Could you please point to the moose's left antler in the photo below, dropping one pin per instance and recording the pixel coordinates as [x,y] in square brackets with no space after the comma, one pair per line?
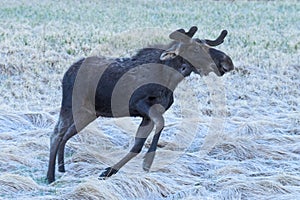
[217,41]
[182,36]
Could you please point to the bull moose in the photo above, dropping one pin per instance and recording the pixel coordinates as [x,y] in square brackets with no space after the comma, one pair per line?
[138,86]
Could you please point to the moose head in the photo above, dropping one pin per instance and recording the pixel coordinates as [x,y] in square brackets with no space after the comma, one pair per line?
[199,53]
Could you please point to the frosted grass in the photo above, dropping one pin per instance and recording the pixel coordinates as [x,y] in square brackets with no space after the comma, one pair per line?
[253,154]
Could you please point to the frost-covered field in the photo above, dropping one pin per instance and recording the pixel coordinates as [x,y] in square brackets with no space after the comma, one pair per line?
[250,151]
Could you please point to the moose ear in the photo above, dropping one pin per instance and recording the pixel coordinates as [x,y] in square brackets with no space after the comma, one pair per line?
[170,53]
[167,55]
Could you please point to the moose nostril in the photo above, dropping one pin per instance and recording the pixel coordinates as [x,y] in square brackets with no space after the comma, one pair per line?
[227,64]
[224,67]
[227,67]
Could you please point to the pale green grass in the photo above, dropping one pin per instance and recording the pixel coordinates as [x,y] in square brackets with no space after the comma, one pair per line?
[39,40]
[254,152]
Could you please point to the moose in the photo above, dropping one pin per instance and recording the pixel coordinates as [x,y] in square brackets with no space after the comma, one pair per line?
[138,86]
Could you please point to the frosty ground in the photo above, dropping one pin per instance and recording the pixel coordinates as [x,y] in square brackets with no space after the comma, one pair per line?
[235,137]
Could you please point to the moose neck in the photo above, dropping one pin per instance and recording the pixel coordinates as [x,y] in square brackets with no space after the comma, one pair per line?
[168,72]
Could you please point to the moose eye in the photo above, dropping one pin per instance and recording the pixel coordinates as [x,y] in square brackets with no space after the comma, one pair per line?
[183,68]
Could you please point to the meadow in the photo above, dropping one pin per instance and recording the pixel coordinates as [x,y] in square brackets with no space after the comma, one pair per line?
[230,137]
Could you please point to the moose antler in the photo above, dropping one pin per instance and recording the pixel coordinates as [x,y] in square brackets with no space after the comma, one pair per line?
[192,31]
[182,36]
[218,41]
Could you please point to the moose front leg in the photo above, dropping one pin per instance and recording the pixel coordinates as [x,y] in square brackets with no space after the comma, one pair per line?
[143,132]
[155,115]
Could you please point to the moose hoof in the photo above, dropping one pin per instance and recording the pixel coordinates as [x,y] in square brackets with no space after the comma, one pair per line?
[146,169]
[61,169]
[49,180]
[107,173]
[148,160]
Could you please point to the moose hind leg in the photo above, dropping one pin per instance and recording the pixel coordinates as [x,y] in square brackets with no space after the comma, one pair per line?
[74,128]
[61,150]
[143,132]
[55,141]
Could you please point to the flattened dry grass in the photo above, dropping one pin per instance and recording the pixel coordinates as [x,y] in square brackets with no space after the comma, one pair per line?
[235,137]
